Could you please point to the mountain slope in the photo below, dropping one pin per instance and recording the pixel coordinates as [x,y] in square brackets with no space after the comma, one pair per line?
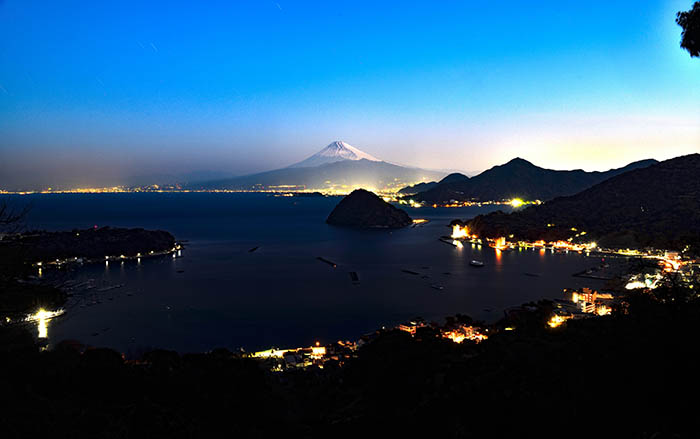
[455,177]
[349,173]
[655,206]
[418,188]
[521,179]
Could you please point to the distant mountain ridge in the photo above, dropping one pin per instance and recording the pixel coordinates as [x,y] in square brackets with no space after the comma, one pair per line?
[339,166]
[454,177]
[657,206]
[519,179]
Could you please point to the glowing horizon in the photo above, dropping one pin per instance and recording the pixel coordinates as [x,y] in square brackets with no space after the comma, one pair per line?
[98,95]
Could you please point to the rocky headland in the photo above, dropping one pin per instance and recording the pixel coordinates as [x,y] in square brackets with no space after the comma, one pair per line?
[364,209]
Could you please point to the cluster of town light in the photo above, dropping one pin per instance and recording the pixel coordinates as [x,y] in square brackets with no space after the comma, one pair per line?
[176,252]
[42,318]
[669,261]
[464,333]
[412,203]
[459,232]
[557,320]
[317,352]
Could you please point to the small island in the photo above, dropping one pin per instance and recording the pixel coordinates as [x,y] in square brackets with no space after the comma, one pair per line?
[364,209]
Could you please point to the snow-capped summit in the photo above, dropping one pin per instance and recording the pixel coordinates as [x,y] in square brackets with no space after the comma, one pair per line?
[335,152]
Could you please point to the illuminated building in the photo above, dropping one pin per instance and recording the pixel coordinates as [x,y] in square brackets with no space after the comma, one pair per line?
[590,301]
[278,360]
[459,232]
[318,351]
[412,326]
[499,243]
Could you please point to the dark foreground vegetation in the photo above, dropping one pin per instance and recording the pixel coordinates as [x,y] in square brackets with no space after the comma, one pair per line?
[657,206]
[632,374]
[690,22]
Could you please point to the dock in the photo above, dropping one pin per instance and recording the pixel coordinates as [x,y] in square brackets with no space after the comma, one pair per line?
[331,263]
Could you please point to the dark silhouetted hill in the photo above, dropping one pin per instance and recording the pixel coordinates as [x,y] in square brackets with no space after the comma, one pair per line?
[455,177]
[627,376]
[520,179]
[417,188]
[656,206]
[364,209]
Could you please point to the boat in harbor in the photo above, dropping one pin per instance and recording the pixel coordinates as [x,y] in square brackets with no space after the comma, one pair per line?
[475,263]
[331,263]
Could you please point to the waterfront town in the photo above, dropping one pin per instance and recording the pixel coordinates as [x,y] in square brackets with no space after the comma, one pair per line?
[669,259]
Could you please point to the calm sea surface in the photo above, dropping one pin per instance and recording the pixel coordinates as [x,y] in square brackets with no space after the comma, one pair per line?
[218,294]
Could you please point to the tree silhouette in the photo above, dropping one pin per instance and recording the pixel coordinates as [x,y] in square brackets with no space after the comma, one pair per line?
[690,22]
[11,219]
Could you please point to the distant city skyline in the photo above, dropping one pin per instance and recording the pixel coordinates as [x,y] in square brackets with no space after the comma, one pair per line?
[97,94]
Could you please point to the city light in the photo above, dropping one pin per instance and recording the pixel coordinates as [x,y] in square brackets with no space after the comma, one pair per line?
[459,232]
[556,320]
[464,333]
[516,202]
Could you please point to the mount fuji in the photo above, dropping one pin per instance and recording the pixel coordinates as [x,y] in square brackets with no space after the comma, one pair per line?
[337,168]
[335,152]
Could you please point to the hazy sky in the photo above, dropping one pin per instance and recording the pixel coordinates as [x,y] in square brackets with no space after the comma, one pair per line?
[92,92]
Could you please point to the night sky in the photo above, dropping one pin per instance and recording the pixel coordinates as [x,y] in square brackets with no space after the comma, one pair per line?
[95,93]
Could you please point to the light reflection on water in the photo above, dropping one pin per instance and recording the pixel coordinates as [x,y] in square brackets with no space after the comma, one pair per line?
[42,319]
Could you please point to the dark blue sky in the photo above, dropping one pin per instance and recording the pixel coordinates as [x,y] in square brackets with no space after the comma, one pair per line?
[94,92]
